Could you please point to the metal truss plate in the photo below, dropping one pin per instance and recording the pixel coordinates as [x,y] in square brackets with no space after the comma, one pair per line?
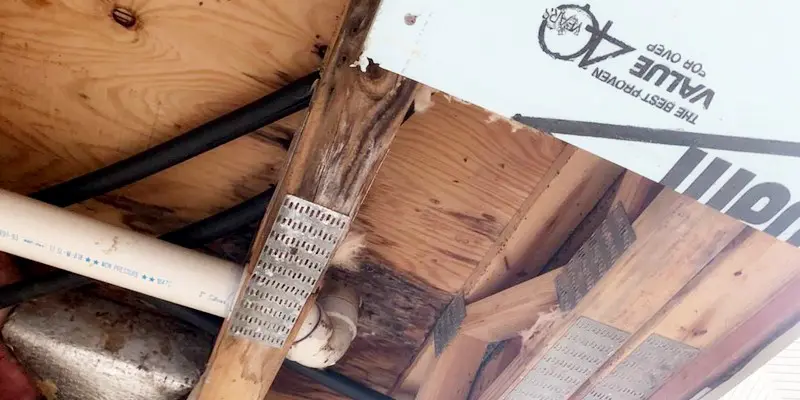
[446,327]
[579,353]
[299,246]
[644,371]
[596,256]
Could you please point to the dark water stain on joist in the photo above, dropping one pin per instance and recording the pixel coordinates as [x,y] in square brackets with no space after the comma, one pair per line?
[395,318]
[485,224]
[37,4]
[143,217]
[396,315]
[275,135]
[319,50]
[456,256]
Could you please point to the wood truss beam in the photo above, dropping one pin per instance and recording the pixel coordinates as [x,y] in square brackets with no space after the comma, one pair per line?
[712,304]
[682,280]
[503,315]
[718,361]
[332,161]
[495,318]
[565,195]
[676,238]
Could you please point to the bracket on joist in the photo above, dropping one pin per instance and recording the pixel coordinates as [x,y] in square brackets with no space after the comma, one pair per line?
[331,163]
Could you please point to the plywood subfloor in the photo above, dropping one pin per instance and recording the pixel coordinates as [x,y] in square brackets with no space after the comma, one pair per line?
[79,91]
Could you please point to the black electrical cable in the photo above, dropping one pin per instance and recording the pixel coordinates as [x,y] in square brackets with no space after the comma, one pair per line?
[336,382]
[193,235]
[23,291]
[222,224]
[285,101]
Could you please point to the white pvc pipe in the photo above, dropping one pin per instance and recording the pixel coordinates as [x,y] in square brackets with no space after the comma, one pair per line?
[62,239]
[327,330]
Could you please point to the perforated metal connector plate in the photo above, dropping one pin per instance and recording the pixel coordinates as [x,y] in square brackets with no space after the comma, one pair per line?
[446,327]
[573,359]
[594,258]
[299,246]
[644,370]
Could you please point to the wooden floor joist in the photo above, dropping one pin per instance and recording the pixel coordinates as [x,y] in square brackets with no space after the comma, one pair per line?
[455,370]
[681,281]
[676,238]
[633,193]
[564,196]
[723,359]
[493,319]
[574,184]
[503,315]
[493,365]
[332,161]
[712,304]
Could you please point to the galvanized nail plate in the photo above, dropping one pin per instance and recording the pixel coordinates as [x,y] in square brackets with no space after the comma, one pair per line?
[579,353]
[644,370]
[299,246]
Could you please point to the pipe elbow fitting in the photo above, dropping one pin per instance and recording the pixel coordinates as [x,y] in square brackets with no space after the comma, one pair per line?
[327,330]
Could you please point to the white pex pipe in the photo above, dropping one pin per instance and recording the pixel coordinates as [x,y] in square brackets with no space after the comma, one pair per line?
[62,239]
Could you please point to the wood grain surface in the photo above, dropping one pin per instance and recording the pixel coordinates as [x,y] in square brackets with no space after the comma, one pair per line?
[455,370]
[79,91]
[565,193]
[711,305]
[573,185]
[497,361]
[448,189]
[725,358]
[332,162]
[504,315]
[676,238]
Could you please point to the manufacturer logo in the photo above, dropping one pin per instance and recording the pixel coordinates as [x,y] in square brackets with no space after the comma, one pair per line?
[570,31]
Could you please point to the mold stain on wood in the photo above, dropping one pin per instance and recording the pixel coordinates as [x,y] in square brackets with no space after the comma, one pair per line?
[396,315]
[143,217]
[66,110]
[394,319]
[82,87]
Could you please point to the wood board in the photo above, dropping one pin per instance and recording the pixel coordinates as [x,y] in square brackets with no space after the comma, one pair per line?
[78,91]
[711,304]
[565,194]
[334,157]
[680,234]
[719,364]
